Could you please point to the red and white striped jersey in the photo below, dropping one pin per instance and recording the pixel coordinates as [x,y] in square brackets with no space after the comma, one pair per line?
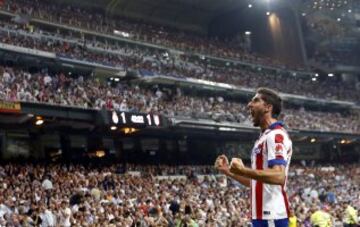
[274,147]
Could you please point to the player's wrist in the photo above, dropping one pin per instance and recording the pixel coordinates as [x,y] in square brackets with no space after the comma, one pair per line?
[237,170]
[225,171]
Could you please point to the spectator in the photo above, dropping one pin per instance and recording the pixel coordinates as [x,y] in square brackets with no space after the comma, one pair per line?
[350,215]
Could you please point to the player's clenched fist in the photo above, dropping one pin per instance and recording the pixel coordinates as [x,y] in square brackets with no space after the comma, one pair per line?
[236,165]
[222,164]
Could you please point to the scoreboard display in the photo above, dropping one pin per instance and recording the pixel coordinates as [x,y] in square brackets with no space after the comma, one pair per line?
[136,119]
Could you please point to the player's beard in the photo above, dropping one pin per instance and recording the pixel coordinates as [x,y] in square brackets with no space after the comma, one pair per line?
[256,123]
[256,116]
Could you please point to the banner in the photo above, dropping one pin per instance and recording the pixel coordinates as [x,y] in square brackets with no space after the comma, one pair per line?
[10,107]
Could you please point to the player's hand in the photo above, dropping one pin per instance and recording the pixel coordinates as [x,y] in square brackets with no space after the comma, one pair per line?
[222,164]
[236,165]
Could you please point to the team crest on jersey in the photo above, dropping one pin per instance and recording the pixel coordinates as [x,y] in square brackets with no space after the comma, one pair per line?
[279,148]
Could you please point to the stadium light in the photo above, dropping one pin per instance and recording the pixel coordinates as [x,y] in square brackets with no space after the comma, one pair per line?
[330,75]
[316,75]
[121,33]
[349,11]
[313,79]
[250,5]
[247,32]
[268,13]
[126,130]
[338,19]
[100,153]
[345,141]
[129,130]
[39,122]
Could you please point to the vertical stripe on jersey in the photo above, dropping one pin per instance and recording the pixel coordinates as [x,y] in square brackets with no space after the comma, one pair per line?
[259,185]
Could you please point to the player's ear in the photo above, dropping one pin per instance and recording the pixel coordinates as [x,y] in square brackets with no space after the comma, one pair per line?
[268,108]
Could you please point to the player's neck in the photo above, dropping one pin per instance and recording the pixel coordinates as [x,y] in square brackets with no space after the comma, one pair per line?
[265,124]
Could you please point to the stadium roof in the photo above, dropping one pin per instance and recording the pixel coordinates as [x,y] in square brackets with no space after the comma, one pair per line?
[192,15]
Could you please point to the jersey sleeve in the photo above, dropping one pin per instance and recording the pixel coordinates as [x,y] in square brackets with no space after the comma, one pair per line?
[277,147]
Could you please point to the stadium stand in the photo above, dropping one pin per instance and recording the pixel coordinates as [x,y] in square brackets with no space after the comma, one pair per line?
[79,195]
[148,63]
[85,92]
[78,17]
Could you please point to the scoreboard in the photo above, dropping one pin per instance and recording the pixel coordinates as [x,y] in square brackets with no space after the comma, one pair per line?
[136,119]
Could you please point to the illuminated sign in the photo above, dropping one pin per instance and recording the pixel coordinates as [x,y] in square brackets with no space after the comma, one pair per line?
[10,107]
[115,118]
[135,119]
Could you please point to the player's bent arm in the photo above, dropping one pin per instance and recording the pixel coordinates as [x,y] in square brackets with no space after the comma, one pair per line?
[274,175]
[242,180]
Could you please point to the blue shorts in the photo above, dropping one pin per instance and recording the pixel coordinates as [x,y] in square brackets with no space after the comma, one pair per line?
[270,223]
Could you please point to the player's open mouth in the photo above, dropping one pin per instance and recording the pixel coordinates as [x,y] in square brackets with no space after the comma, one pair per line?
[251,113]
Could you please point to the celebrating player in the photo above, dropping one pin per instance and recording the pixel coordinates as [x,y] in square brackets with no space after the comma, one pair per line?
[270,159]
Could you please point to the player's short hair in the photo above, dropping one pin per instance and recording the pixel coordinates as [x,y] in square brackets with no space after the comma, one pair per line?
[271,97]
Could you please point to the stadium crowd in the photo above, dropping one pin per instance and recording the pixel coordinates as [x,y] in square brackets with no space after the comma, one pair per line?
[149,62]
[89,92]
[328,29]
[115,195]
[155,34]
[331,58]
[327,35]
[77,195]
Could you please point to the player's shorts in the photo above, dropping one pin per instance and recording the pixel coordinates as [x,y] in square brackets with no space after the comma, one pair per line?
[270,223]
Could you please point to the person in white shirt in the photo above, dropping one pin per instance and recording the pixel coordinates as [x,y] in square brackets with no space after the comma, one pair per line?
[6,77]
[65,214]
[47,184]
[4,210]
[47,80]
[48,217]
